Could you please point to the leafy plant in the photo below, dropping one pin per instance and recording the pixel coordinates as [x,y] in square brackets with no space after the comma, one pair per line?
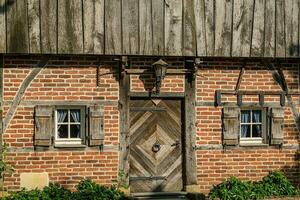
[122,180]
[86,190]
[275,184]
[5,168]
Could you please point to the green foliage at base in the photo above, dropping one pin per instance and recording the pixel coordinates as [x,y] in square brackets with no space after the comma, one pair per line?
[86,190]
[273,185]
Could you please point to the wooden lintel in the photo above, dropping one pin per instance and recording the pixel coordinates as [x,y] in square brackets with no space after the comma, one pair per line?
[256,92]
[154,95]
[147,71]
[237,87]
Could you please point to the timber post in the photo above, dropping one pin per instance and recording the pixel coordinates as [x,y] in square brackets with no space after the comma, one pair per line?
[190,130]
[124,82]
[1,99]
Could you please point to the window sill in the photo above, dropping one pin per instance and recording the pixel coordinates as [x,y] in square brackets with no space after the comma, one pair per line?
[69,146]
[253,145]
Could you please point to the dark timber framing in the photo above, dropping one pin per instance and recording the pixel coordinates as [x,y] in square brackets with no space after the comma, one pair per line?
[124,82]
[1,99]
[34,72]
[190,127]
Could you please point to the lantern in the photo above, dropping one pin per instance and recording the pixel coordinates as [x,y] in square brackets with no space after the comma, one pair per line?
[160,68]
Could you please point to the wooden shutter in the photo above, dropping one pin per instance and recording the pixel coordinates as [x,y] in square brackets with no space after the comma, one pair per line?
[277,118]
[231,125]
[96,133]
[43,125]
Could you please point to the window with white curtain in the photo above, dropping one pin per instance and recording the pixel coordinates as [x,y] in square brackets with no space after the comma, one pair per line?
[69,125]
[252,125]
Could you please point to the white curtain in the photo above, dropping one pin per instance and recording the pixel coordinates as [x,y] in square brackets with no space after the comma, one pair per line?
[76,116]
[61,116]
[245,117]
[257,119]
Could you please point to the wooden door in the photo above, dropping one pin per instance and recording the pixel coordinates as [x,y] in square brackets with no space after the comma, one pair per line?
[155,146]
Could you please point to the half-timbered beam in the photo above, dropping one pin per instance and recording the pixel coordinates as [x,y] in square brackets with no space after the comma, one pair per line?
[124,83]
[1,99]
[34,72]
[278,76]
[190,130]
[237,87]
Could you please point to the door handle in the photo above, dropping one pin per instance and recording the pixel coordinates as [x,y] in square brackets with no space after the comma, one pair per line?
[176,144]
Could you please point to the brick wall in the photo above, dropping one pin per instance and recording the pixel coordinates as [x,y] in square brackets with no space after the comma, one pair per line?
[73,78]
[250,163]
[64,79]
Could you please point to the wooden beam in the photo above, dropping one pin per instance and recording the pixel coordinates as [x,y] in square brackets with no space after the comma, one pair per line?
[34,26]
[173,27]
[48,16]
[261,100]
[160,95]
[278,76]
[113,27]
[130,27]
[124,120]
[17,26]
[70,30]
[146,71]
[2,26]
[1,99]
[93,26]
[64,103]
[34,72]
[190,131]
[256,92]
[237,87]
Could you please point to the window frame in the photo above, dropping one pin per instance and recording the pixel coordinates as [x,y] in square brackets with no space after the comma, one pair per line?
[72,141]
[264,125]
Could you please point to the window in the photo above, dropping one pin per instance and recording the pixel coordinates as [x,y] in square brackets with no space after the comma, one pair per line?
[252,125]
[69,125]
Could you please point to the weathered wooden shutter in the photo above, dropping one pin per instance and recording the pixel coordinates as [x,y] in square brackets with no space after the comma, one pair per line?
[277,118]
[96,133]
[43,125]
[231,125]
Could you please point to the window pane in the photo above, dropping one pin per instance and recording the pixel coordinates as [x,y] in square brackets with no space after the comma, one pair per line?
[245,116]
[256,130]
[256,116]
[62,116]
[245,131]
[75,115]
[75,131]
[62,131]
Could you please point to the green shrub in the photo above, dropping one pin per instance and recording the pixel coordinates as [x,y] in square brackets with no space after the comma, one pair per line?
[89,190]
[86,190]
[275,184]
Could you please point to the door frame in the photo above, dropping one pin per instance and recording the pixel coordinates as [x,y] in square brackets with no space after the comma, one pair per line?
[189,167]
[189,112]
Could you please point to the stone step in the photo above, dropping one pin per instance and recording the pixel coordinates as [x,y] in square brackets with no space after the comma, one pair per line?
[159,196]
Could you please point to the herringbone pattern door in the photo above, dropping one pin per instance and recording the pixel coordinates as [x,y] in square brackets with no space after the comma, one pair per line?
[155,146]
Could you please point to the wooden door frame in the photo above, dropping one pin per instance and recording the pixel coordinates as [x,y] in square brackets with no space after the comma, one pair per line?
[189,118]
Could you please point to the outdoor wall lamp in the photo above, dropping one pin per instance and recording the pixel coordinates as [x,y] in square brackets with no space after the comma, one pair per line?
[160,68]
